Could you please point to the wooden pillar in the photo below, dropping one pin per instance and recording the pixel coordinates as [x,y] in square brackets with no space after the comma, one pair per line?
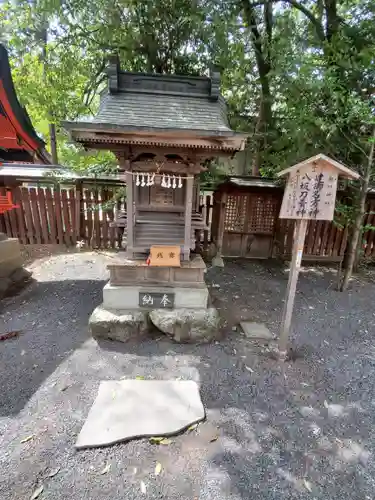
[188,213]
[196,194]
[80,216]
[295,265]
[218,260]
[129,214]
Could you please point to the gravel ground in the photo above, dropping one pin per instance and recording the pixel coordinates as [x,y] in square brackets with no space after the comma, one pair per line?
[299,430]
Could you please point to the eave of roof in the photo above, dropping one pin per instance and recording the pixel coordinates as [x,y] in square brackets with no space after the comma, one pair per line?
[90,134]
[50,173]
[249,181]
[115,128]
[15,113]
[342,169]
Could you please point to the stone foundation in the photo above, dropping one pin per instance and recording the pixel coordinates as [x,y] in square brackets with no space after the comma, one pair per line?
[127,297]
[123,315]
[137,272]
[10,256]
[119,325]
[188,325]
[12,275]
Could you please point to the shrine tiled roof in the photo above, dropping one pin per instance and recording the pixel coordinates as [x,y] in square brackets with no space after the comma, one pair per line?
[163,111]
[150,105]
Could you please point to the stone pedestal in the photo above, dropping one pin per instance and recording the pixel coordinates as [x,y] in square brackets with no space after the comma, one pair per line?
[12,274]
[173,299]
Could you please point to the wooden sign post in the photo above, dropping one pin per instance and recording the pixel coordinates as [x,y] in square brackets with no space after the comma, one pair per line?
[310,194]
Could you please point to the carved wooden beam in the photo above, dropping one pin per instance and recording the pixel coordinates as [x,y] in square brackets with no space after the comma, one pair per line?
[217,145]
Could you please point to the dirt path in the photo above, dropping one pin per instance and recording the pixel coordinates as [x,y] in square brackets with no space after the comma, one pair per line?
[301,430]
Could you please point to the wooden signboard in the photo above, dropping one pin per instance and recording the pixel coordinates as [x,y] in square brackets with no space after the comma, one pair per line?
[165,255]
[310,194]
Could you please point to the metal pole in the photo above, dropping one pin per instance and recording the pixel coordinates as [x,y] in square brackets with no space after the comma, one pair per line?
[295,265]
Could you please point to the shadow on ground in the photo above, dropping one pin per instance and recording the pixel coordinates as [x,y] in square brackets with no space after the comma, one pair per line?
[52,319]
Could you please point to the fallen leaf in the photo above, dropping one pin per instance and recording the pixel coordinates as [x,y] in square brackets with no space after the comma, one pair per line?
[307,485]
[155,440]
[193,427]
[143,488]
[28,438]
[214,438]
[37,492]
[106,469]
[54,472]
[159,440]
[9,335]
[249,369]
[139,377]
[158,469]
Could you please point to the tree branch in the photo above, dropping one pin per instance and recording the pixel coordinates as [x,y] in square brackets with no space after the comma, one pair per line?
[297,5]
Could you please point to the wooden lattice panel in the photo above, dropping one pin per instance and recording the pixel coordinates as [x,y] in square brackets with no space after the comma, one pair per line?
[161,196]
[235,213]
[262,214]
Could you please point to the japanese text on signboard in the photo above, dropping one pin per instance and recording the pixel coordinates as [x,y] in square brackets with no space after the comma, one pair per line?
[310,193]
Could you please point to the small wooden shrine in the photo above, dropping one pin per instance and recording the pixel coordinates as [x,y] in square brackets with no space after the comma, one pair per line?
[163,130]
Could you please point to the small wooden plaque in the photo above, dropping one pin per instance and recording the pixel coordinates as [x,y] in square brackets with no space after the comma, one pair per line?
[167,256]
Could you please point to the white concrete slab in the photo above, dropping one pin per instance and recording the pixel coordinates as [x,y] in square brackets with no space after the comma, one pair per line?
[256,330]
[129,409]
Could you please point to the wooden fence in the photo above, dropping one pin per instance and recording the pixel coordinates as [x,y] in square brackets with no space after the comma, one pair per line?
[324,241]
[67,216]
[61,216]
[50,215]
[252,228]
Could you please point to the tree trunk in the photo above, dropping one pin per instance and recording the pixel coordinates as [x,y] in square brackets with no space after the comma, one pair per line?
[357,227]
[53,143]
[332,19]
[263,60]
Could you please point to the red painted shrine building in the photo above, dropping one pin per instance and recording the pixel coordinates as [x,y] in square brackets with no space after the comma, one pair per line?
[19,142]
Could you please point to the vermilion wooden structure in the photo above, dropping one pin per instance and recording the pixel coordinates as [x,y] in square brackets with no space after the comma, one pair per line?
[6,202]
[18,138]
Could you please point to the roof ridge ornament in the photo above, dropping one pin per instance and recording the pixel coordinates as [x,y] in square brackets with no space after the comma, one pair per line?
[215,78]
[113,70]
